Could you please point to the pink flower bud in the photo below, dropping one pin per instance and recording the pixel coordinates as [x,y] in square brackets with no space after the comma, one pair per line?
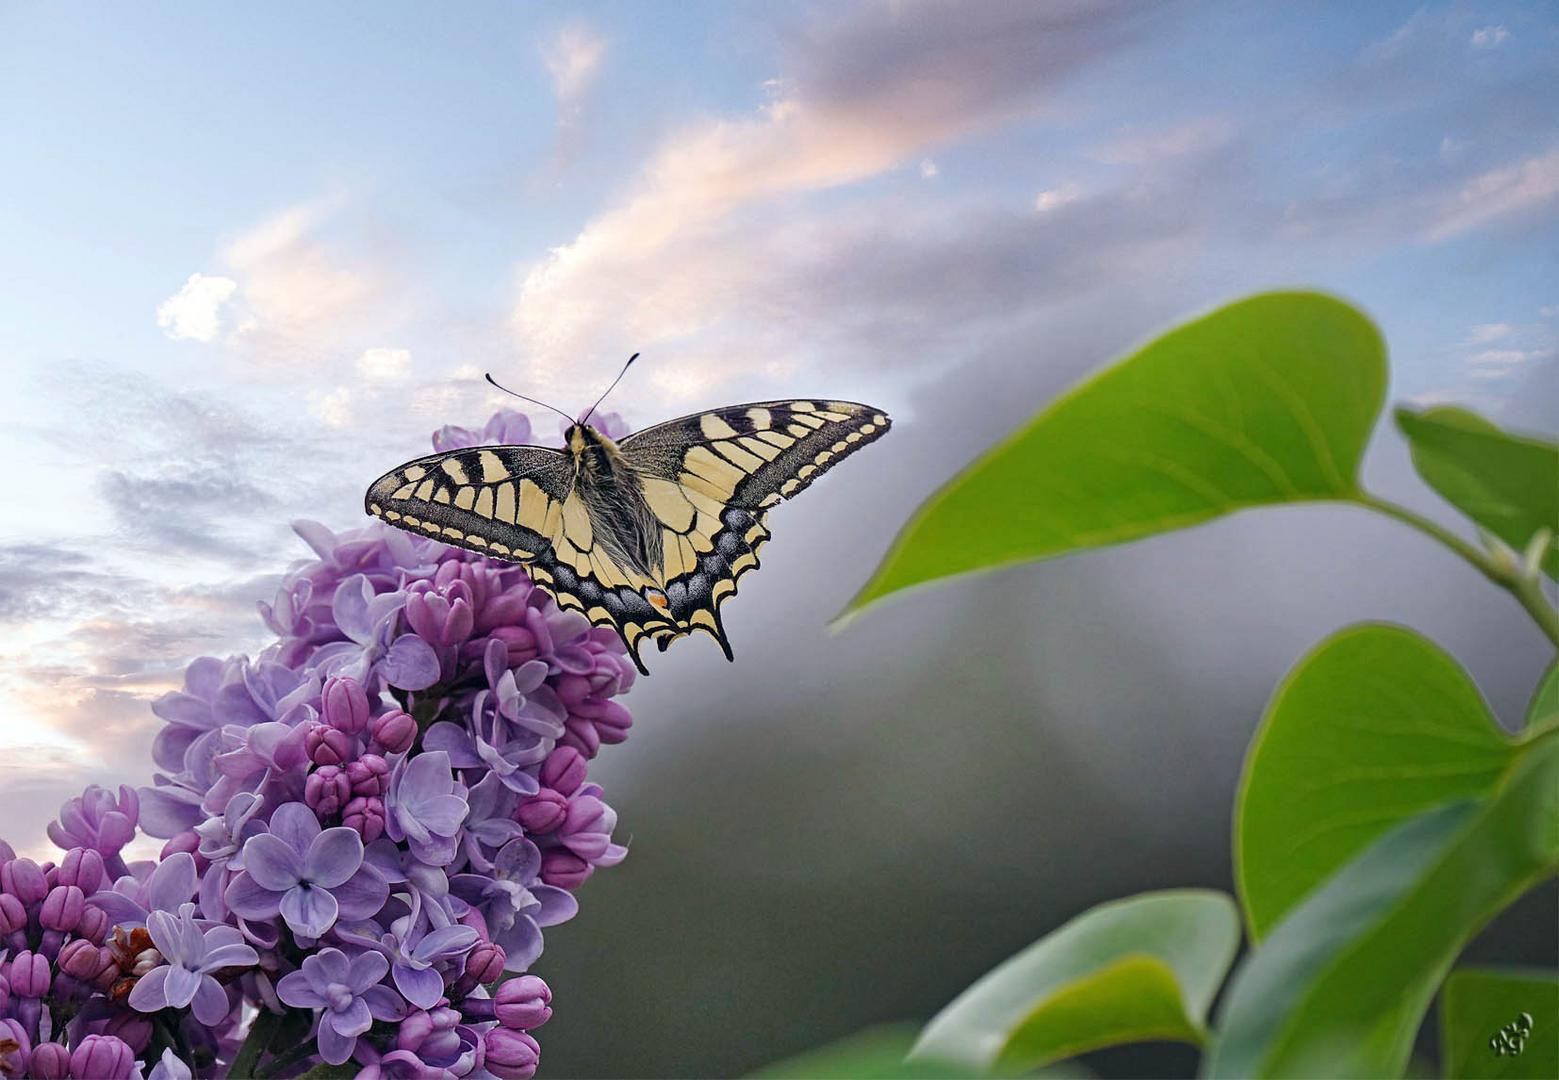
[484,964]
[369,775]
[328,745]
[345,705]
[80,959]
[543,812]
[564,869]
[511,1055]
[62,908]
[93,925]
[13,916]
[326,790]
[83,868]
[49,1061]
[394,731]
[23,879]
[366,815]
[523,1003]
[103,1057]
[29,975]
[15,1048]
[564,770]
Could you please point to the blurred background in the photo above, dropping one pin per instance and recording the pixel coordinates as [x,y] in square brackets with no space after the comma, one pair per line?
[254,256]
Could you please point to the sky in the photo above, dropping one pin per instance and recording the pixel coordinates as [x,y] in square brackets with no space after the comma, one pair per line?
[253,256]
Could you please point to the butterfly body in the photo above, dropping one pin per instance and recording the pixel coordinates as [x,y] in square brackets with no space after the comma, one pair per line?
[649,535]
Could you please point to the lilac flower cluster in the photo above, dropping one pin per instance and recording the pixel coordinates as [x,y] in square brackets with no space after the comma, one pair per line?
[367,827]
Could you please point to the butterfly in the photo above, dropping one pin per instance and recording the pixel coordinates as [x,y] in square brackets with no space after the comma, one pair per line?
[648,535]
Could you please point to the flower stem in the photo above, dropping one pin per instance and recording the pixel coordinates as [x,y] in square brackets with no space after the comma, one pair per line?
[261,1032]
[1525,589]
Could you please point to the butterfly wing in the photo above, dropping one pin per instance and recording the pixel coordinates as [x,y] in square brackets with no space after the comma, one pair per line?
[520,504]
[709,479]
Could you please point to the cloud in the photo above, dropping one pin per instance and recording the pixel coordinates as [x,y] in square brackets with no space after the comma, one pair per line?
[1051,198]
[385,365]
[928,169]
[1489,37]
[1141,148]
[1498,193]
[860,95]
[196,311]
[573,59]
[1485,332]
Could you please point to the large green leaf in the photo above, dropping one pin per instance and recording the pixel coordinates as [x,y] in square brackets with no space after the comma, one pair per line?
[1340,986]
[1376,725]
[1128,971]
[1497,1023]
[1507,483]
[1268,400]
[1544,708]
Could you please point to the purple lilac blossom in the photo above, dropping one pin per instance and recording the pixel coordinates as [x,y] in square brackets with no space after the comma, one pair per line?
[373,818]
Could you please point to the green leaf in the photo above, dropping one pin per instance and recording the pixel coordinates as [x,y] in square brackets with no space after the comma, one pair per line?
[1268,400]
[1128,971]
[877,1052]
[326,1071]
[1507,483]
[1499,1023]
[1376,725]
[1340,986]
[1544,709]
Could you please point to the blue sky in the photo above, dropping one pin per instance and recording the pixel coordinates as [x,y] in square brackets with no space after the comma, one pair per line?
[253,255]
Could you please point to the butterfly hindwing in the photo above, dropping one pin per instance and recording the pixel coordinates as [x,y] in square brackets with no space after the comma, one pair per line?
[709,478]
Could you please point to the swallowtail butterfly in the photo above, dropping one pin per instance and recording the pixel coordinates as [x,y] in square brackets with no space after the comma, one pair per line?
[648,535]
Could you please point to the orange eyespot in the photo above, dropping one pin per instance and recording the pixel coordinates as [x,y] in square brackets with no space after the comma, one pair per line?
[657,598]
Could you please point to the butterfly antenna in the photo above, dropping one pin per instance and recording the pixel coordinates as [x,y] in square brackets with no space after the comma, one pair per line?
[609,389]
[532,400]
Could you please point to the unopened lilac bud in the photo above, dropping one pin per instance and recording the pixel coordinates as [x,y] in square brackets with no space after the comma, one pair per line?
[564,770]
[83,868]
[15,1047]
[366,815]
[564,869]
[523,1003]
[103,1057]
[369,775]
[5,994]
[327,790]
[543,812]
[94,925]
[62,908]
[49,1061]
[395,731]
[13,916]
[484,964]
[134,1028]
[511,1055]
[23,879]
[80,959]
[328,745]
[188,840]
[345,705]
[29,975]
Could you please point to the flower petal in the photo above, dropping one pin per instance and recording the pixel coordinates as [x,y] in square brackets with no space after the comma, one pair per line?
[309,911]
[362,895]
[420,986]
[180,986]
[237,954]
[333,857]
[443,814]
[173,882]
[411,663]
[211,1004]
[328,966]
[445,942]
[296,990]
[272,862]
[366,970]
[352,1020]
[249,899]
[333,1046]
[164,929]
[385,1004]
[147,995]
[295,823]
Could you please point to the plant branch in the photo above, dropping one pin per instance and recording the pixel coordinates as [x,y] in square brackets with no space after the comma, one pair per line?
[261,1032]
[1510,578]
